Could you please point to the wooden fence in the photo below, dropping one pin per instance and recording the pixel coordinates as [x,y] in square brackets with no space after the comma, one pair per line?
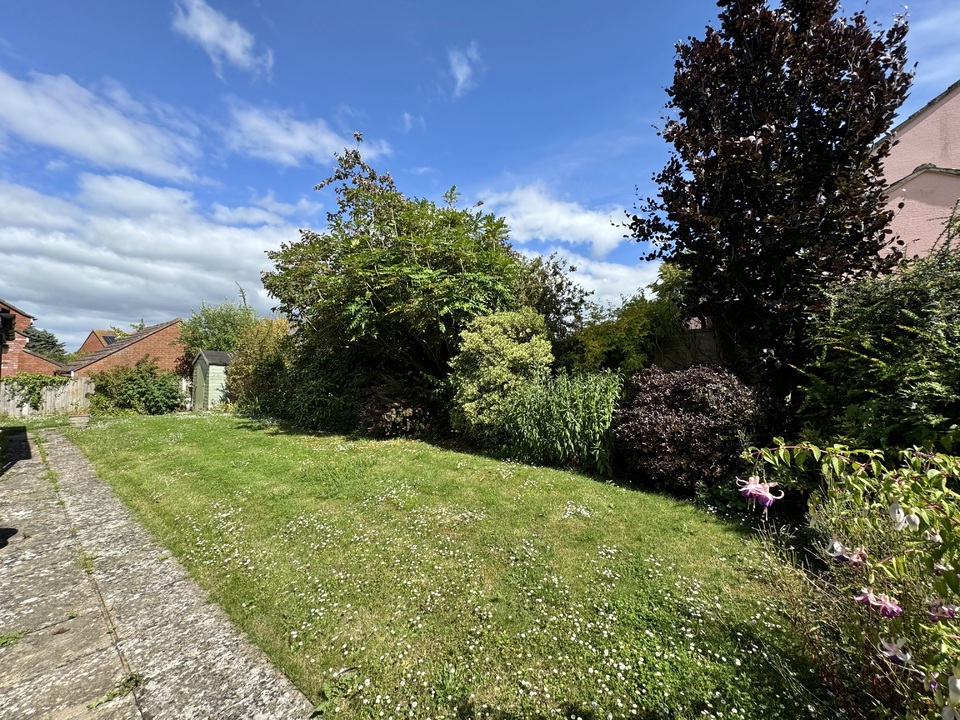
[65,398]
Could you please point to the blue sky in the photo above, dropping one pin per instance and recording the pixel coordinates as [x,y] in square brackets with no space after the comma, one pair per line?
[151,152]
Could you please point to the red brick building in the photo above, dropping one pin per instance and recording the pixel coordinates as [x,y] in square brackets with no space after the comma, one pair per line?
[18,359]
[97,340]
[160,342]
[30,362]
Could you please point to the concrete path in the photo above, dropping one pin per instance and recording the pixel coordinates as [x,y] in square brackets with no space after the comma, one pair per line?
[114,627]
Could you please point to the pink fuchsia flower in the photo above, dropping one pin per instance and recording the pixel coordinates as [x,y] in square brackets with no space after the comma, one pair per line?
[939,610]
[756,491]
[894,652]
[856,556]
[884,604]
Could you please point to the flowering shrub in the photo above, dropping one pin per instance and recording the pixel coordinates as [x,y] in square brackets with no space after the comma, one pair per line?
[891,537]
[258,377]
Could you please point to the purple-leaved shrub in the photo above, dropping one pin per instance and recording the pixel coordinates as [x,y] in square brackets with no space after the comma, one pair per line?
[684,431]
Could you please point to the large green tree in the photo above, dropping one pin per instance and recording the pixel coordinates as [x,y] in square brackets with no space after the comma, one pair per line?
[46,344]
[778,121]
[393,280]
[216,327]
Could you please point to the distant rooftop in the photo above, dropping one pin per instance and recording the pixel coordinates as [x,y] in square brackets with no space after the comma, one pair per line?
[115,345]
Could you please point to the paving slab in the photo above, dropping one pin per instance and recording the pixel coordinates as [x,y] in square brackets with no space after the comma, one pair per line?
[104,607]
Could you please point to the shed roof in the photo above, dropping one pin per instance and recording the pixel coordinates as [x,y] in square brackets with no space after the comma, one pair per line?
[215,357]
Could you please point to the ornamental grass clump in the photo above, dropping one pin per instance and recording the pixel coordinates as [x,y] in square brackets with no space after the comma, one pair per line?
[879,605]
[565,421]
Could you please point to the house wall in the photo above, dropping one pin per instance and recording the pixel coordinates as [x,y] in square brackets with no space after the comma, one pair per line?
[163,346]
[30,363]
[10,363]
[930,137]
[91,344]
[928,200]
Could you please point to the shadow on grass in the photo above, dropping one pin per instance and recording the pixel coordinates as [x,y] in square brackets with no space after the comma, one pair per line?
[14,447]
[467,710]
[737,520]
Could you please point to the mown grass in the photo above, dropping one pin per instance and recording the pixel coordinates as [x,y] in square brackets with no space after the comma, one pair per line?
[397,579]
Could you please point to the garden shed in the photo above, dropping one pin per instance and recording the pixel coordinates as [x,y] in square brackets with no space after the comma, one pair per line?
[210,378]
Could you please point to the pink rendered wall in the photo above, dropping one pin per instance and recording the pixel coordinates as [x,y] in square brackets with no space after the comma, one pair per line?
[933,137]
[928,200]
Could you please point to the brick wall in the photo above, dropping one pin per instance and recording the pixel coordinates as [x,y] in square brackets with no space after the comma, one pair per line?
[163,346]
[10,363]
[11,358]
[91,344]
[32,363]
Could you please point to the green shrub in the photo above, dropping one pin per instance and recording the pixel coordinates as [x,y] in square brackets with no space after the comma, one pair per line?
[28,388]
[682,431]
[499,354]
[564,420]
[142,389]
[258,375]
[887,374]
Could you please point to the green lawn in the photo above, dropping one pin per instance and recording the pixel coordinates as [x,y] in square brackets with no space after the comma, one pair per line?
[397,579]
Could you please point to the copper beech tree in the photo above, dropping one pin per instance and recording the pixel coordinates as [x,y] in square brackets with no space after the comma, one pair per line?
[779,121]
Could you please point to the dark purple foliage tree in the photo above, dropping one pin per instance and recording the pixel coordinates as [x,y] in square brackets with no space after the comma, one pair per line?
[774,189]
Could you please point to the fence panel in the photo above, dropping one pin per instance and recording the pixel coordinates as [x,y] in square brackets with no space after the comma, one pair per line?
[75,395]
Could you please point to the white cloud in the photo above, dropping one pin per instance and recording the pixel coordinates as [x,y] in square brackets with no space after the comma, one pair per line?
[131,198]
[21,207]
[244,215]
[224,40]
[534,214]
[266,210]
[303,207]
[121,249]
[413,121]
[464,65]
[610,282]
[56,112]
[274,134]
